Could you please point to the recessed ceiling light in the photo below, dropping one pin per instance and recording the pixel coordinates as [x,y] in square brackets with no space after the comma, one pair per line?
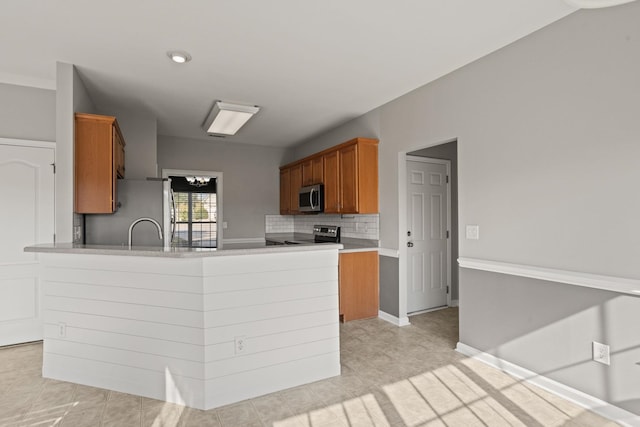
[179,56]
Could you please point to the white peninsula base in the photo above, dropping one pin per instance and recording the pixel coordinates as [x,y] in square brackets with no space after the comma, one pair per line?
[203,331]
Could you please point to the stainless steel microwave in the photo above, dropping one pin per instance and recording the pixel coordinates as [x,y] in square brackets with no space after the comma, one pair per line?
[311,198]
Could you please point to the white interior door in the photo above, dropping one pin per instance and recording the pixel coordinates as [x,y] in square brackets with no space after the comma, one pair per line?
[427,236]
[27,217]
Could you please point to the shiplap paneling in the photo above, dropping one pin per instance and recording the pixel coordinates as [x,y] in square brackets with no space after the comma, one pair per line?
[166,328]
[230,389]
[126,379]
[273,326]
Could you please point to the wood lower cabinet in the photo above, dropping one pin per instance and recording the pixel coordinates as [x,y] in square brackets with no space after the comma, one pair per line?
[98,163]
[359,285]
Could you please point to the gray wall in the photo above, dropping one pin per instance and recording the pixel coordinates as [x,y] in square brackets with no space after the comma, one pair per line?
[139,130]
[548,150]
[27,113]
[448,151]
[389,285]
[71,96]
[548,328]
[250,178]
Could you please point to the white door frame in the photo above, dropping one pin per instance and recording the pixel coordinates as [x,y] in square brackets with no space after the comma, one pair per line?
[402,227]
[447,164]
[166,173]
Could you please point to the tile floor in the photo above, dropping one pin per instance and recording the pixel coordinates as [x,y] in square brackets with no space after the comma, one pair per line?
[408,376]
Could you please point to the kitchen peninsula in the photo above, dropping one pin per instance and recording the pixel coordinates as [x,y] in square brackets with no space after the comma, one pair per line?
[203,328]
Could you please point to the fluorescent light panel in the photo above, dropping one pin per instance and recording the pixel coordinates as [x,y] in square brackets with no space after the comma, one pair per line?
[227,119]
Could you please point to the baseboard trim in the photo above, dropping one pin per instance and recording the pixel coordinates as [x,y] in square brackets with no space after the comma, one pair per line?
[584,400]
[454,303]
[391,253]
[403,321]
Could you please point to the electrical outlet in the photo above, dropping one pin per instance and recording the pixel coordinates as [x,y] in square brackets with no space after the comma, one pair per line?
[601,353]
[62,330]
[240,343]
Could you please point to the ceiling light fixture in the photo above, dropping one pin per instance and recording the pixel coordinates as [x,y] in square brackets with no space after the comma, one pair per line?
[179,56]
[227,119]
[198,181]
[596,4]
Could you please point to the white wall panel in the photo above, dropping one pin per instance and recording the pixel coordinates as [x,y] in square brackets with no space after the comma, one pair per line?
[266,279]
[108,325]
[140,328]
[229,389]
[220,334]
[257,345]
[185,301]
[269,311]
[130,279]
[123,310]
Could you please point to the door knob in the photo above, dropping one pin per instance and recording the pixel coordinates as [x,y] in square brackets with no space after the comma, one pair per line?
[410,244]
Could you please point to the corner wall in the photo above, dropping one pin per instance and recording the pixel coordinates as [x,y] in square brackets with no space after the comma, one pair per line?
[71,96]
[547,135]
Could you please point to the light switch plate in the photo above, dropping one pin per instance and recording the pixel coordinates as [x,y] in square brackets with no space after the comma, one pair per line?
[473,232]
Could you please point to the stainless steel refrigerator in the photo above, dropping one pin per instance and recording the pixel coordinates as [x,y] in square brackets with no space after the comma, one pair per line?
[137,198]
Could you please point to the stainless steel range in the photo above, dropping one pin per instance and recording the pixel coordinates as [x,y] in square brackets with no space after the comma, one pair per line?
[321,234]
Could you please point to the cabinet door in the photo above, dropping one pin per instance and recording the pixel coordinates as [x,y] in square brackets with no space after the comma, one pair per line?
[285,191]
[349,179]
[95,179]
[307,173]
[359,283]
[331,183]
[118,145]
[317,166]
[296,184]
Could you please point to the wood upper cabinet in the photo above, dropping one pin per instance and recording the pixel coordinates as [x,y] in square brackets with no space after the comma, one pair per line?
[307,173]
[318,169]
[296,184]
[312,171]
[285,191]
[349,173]
[359,285]
[118,147]
[359,176]
[98,163]
[331,182]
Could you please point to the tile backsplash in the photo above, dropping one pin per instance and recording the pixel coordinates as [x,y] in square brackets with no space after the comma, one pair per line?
[354,226]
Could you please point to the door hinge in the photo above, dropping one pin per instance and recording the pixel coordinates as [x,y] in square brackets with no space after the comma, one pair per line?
[447,179]
[447,234]
[54,167]
[54,237]
[447,289]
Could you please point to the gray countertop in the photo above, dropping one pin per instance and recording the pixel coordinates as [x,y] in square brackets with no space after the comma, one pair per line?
[176,252]
[349,244]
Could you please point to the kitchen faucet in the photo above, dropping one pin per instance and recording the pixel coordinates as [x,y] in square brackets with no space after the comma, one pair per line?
[151,220]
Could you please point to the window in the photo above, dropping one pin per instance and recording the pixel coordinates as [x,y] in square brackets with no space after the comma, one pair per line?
[195,214]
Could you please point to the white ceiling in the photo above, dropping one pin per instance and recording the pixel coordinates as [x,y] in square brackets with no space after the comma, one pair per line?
[310,65]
